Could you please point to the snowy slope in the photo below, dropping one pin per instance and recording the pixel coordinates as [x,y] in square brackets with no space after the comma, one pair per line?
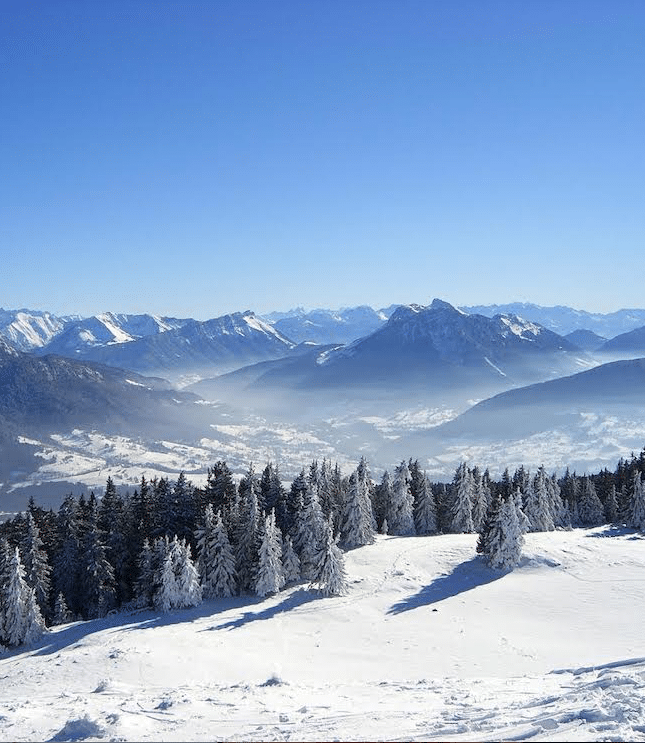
[429,644]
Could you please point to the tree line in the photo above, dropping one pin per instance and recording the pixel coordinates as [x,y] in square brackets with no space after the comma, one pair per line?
[168,544]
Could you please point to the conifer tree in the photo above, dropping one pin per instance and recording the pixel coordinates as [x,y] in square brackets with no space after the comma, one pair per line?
[97,582]
[216,558]
[590,509]
[269,577]
[636,512]
[381,498]
[309,531]
[23,622]
[145,583]
[400,509]
[611,506]
[357,524]
[188,586]
[36,563]
[462,507]
[247,528]
[62,614]
[67,577]
[425,514]
[504,541]
[290,562]
[330,577]
[481,499]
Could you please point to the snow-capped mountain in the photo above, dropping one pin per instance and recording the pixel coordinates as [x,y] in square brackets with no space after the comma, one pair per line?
[328,326]
[30,329]
[434,346]
[630,343]
[219,344]
[563,320]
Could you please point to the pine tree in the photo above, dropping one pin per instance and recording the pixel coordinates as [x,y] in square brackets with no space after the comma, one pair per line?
[357,524]
[636,511]
[504,542]
[23,622]
[309,531]
[290,562]
[400,509]
[481,499]
[330,577]
[216,559]
[590,509]
[462,508]
[188,587]
[62,614]
[145,583]
[67,577]
[269,577]
[97,582]
[611,506]
[36,563]
[247,531]
[425,513]
[537,505]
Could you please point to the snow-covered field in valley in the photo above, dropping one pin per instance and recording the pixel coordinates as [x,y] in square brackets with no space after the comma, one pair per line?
[429,644]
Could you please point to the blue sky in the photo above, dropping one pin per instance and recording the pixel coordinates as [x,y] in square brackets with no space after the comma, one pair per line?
[192,159]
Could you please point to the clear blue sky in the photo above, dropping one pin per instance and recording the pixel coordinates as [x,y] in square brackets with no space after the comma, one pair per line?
[197,158]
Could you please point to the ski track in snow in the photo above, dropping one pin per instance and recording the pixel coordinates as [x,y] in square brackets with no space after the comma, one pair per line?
[429,644]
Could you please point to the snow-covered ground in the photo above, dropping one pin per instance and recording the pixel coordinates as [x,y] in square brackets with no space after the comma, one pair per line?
[429,644]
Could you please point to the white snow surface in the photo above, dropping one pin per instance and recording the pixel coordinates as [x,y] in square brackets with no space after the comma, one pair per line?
[429,644]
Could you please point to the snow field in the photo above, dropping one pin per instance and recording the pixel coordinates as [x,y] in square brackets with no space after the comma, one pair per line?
[428,644]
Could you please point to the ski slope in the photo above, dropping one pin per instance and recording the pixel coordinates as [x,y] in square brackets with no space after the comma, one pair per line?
[428,644]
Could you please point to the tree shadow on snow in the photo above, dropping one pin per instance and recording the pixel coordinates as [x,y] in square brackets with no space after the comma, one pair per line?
[70,635]
[296,599]
[615,530]
[465,577]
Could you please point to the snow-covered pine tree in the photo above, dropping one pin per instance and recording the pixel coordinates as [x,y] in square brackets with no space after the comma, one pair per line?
[62,614]
[590,509]
[66,563]
[189,589]
[521,516]
[462,507]
[218,577]
[481,498]
[357,526]
[290,562]
[381,497]
[505,540]
[636,508]
[166,596]
[145,584]
[400,508]
[97,582]
[425,513]
[309,531]
[220,491]
[36,564]
[611,506]
[559,512]
[247,531]
[23,621]
[330,577]
[269,577]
